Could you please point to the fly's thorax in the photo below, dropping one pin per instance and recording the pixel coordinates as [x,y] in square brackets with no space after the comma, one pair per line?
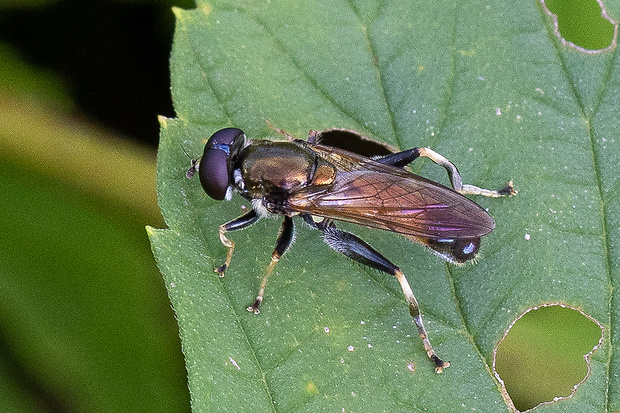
[282,167]
[275,166]
[323,173]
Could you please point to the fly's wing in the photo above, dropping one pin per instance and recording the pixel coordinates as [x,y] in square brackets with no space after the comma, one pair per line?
[380,196]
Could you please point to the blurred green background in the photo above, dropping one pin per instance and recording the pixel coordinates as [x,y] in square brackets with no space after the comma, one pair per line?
[85,323]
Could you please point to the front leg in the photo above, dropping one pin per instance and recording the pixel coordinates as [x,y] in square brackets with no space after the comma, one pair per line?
[243,221]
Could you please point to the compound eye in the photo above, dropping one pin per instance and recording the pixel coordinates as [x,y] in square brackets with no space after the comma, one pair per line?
[213,168]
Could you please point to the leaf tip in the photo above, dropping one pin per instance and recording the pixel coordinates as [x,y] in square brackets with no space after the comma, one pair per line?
[163,121]
[179,13]
[151,232]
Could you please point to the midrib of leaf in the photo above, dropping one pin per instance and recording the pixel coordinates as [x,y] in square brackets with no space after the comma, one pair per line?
[441,120]
[606,244]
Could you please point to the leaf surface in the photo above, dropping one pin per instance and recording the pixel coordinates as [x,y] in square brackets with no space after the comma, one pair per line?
[486,85]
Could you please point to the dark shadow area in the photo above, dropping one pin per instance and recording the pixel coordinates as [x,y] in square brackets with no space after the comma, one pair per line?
[112,56]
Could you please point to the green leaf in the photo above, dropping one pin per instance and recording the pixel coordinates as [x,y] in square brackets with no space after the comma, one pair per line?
[487,85]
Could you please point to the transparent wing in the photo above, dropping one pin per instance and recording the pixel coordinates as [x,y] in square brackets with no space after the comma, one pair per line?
[381,196]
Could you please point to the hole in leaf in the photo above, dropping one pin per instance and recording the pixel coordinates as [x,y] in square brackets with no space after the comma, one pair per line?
[583,24]
[353,142]
[543,356]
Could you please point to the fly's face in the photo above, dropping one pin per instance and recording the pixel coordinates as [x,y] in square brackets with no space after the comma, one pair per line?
[325,184]
[215,166]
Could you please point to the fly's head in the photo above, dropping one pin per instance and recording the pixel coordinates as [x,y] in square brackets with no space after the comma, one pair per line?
[215,167]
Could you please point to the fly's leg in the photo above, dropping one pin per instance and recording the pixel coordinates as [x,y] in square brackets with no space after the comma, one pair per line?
[243,221]
[313,135]
[284,241]
[356,249]
[399,159]
[457,182]
[403,158]
[414,311]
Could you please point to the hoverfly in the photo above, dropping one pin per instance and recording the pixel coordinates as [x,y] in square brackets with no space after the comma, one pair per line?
[322,184]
